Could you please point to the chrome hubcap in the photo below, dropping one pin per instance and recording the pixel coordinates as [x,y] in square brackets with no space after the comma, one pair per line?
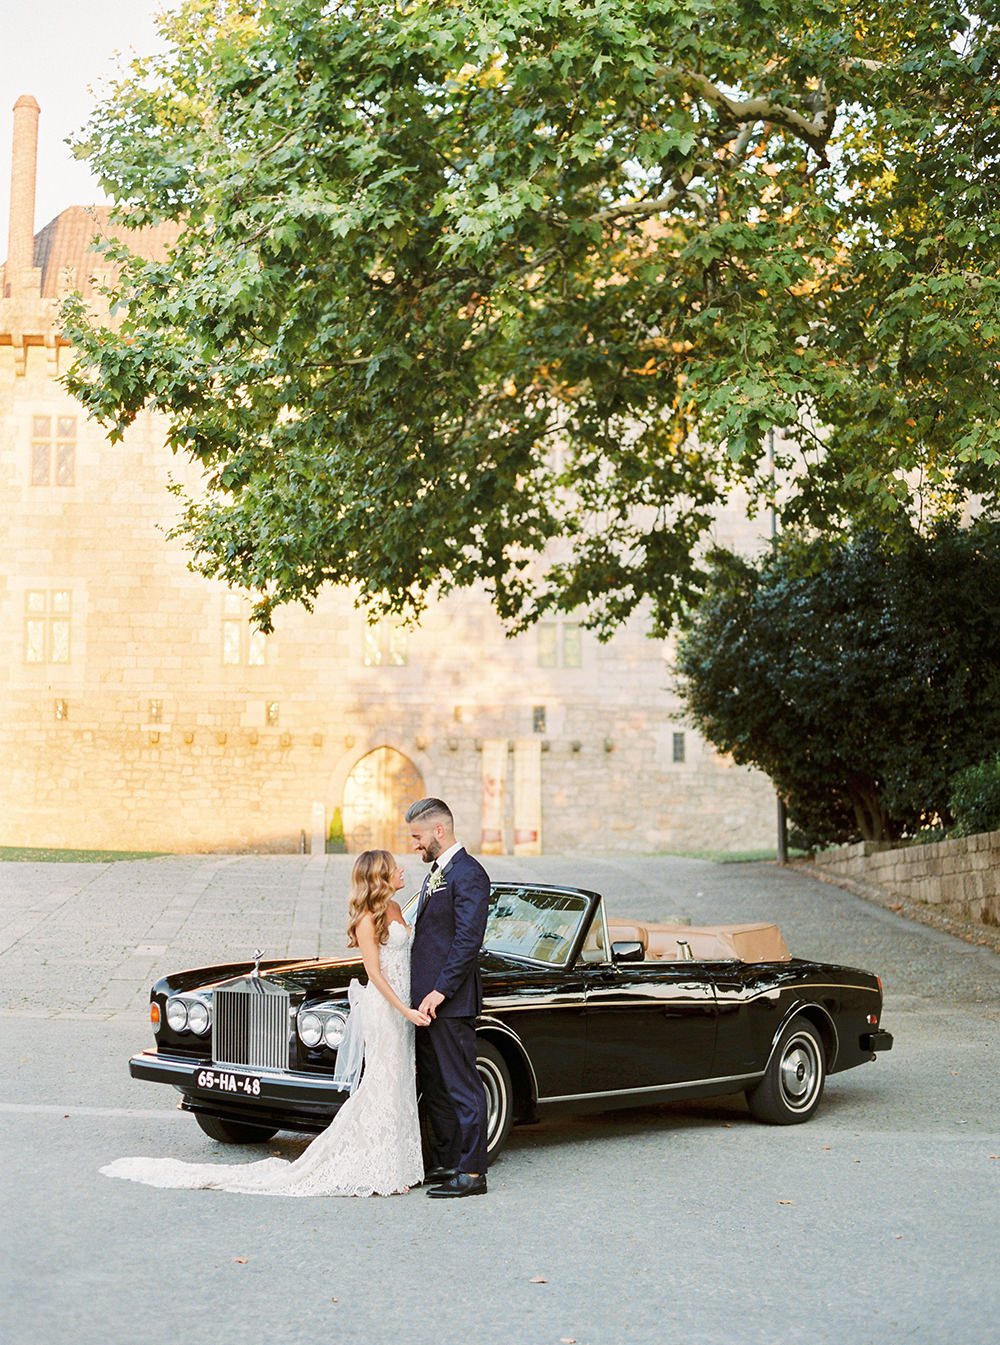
[800,1072]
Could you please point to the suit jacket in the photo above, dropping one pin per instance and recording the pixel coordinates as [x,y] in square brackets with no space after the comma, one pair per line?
[448,935]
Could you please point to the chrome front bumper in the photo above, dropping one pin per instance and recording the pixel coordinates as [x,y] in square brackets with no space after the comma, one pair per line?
[286,1098]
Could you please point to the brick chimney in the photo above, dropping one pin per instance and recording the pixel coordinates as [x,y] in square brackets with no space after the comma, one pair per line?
[20,273]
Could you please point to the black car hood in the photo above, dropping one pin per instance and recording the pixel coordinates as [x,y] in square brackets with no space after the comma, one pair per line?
[498,971]
[329,978]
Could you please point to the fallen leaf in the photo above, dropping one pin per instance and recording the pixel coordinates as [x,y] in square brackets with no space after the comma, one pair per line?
[333,1300]
[538,1279]
[826,1148]
[241,1260]
[786,1202]
[567,1340]
[995,1155]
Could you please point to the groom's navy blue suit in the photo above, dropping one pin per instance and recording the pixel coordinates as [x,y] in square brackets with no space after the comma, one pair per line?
[448,935]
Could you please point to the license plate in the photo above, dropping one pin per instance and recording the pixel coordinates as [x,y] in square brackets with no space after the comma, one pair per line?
[224,1081]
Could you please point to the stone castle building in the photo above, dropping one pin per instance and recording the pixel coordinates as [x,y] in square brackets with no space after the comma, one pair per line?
[140,710]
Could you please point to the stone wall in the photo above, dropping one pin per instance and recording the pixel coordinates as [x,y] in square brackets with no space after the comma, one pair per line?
[960,876]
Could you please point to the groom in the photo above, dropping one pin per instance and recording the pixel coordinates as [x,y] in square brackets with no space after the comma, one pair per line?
[444,981]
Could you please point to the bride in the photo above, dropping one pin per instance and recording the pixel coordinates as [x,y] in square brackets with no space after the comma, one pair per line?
[372,1145]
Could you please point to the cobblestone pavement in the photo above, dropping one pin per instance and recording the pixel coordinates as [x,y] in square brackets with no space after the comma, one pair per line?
[874,1224]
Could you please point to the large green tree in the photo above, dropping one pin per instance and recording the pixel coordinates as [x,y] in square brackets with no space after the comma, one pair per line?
[512,291]
[861,678]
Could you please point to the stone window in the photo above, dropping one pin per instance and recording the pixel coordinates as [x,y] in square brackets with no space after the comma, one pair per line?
[242,644]
[53,450]
[385,645]
[46,625]
[560,644]
[538,719]
[679,748]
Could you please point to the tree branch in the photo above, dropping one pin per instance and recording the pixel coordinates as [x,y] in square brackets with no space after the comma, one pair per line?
[654,207]
[815,133]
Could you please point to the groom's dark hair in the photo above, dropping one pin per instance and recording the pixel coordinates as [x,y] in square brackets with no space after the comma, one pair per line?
[430,808]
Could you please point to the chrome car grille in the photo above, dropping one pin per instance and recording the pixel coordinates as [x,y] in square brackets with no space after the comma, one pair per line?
[251,1026]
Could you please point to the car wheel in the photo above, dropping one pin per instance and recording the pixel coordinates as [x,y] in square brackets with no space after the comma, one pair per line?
[234,1132]
[499,1096]
[793,1085]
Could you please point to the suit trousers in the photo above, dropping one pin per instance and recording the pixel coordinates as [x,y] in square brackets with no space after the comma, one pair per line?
[453,1093]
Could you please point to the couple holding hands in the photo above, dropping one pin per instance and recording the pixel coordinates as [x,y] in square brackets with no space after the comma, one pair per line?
[422,999]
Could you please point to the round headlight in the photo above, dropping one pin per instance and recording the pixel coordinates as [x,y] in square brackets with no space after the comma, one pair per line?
[177,1015]
[198,1017]
[333,1032]
[311,1028]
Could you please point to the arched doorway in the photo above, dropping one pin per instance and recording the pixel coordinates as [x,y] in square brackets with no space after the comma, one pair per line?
[377,793]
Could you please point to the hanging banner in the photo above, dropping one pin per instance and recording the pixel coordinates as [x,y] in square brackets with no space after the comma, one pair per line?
[528,796]
[494,789]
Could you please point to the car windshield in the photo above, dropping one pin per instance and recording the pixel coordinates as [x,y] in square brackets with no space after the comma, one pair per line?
[534,923]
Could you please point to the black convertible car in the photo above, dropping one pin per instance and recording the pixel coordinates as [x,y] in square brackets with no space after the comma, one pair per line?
[580,1013]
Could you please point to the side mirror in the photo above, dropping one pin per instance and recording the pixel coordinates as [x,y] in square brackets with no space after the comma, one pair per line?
[628,951]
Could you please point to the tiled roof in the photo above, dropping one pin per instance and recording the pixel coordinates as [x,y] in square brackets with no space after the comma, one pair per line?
[65,253]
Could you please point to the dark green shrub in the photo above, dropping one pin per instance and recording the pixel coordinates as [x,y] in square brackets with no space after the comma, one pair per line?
[975,798]
[862,677]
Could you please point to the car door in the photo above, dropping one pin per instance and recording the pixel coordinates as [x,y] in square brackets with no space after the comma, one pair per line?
[649,1025]
[545,1009]
[530,983]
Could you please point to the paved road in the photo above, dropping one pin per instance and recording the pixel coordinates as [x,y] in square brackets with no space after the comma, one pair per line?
[877,1222]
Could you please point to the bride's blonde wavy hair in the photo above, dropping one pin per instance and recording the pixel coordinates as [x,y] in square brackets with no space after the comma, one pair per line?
[372,889]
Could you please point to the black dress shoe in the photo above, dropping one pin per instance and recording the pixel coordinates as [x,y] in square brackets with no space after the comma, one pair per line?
[462,1184]
[438,1174]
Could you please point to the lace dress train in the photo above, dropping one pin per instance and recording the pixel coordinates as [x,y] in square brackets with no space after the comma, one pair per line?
[371,1147]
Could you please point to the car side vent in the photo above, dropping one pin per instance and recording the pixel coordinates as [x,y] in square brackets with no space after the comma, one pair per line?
[251,1025]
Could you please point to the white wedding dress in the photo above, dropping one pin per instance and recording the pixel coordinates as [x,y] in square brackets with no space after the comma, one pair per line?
[371,1147]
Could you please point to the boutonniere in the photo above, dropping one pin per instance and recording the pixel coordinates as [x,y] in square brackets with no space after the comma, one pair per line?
[436,880]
